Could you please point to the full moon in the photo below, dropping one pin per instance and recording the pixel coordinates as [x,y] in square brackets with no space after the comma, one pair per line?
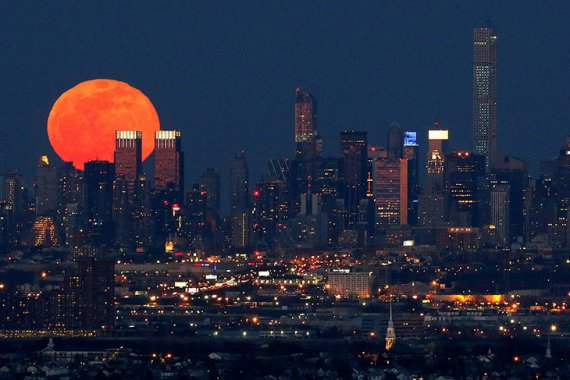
[82,122]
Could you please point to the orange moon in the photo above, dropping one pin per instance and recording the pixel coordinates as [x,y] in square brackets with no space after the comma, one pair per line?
[82,123]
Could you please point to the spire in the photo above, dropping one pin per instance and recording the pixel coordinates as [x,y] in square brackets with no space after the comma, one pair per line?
[548,354]
[390,333]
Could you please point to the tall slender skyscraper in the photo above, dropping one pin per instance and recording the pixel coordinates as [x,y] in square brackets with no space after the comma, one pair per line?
[485,94]
[168,161]
[239,185]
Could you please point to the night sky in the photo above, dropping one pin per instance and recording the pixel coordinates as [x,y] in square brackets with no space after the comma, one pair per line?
[224,72]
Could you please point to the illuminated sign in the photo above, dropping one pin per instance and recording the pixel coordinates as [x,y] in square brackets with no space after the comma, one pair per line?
[211,277]
[438,134]
[410,139]
[180,284]
[263,273]
[408,243]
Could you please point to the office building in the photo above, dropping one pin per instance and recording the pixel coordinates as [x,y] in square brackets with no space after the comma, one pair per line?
[128,155]
[46,187]
[346,283]
[354,156]
[96,292]
[391,192]
[411,154]
[432,204]
[500,211]
[464,172]
[168,161]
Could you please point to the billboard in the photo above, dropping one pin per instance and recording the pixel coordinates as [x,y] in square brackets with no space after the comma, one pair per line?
[410,138]
[438,134]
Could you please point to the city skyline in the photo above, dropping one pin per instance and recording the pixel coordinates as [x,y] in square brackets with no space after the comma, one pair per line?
[373,104]
[173,203]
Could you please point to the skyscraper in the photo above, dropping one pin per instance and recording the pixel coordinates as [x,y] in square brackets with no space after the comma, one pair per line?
[395,140]
[515,172]
[500,215]
[305,124]
[210,183]
[239,184]
[128,155]
[485,94]
[464,172]
[98,189]
[168,161]
[239,188]
[46,187]
[128,162]
[432,200]
[270,211]
[354,155]
[411,153]
[391,191]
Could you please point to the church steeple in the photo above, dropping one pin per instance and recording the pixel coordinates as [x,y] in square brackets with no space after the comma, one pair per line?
[390,332]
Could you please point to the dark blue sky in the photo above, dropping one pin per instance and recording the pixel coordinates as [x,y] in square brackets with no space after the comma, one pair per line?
[224,72]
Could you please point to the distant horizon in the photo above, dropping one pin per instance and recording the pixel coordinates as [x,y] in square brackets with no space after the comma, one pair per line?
[226,76]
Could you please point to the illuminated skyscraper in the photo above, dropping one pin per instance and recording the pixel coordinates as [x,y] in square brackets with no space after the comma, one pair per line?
[432,200]
[128,155]
[485,94]
[168,161]
[305,124]
[391,191]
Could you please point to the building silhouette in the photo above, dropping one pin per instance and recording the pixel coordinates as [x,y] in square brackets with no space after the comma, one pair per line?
[354,156]
[98,187]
